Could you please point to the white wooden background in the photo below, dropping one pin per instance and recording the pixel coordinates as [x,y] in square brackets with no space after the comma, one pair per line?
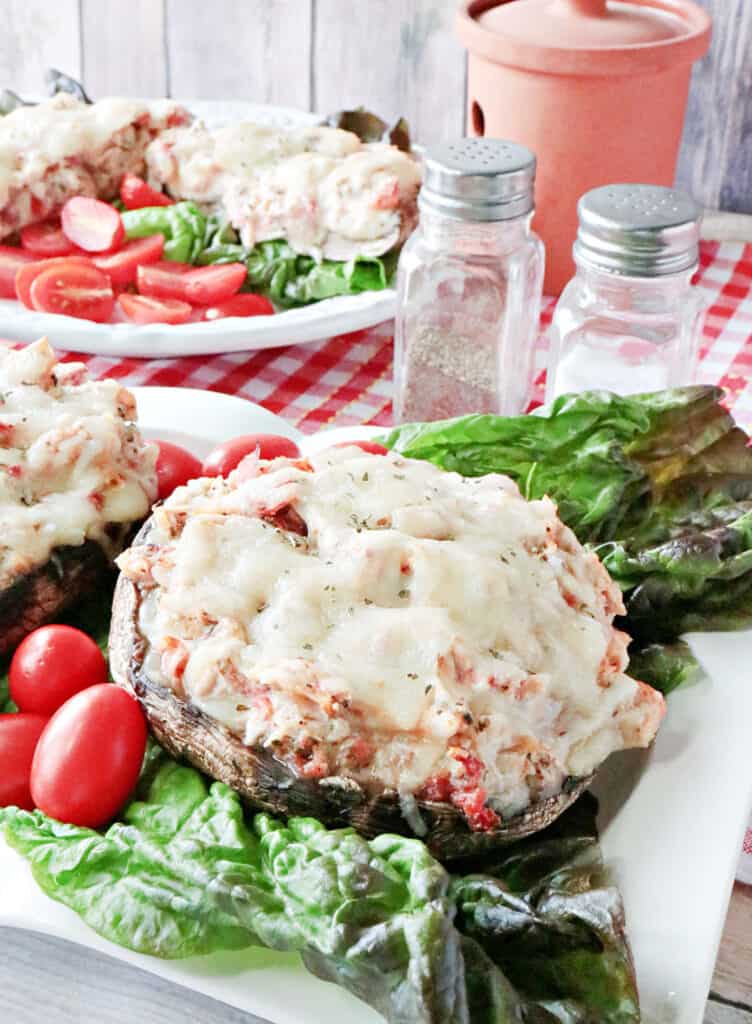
[396,57]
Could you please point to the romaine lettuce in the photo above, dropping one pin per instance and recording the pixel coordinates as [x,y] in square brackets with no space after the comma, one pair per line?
[183,872]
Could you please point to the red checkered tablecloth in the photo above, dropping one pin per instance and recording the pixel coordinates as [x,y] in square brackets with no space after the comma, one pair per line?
[347,380]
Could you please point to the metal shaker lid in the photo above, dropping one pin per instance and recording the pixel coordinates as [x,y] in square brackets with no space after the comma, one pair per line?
[638,230]
[478,179]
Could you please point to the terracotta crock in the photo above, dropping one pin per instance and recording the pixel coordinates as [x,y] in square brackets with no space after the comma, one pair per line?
[598,90]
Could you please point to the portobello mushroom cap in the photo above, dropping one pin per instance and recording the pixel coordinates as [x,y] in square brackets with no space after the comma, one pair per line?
[39,596]
[267,783]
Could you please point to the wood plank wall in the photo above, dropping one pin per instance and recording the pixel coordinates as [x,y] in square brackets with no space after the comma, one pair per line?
[397,58]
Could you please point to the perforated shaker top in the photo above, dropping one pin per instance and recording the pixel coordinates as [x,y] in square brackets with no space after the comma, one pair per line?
[478,179]
[638,230]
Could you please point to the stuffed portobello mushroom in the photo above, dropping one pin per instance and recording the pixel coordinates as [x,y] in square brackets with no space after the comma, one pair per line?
[75,477]
[372,641]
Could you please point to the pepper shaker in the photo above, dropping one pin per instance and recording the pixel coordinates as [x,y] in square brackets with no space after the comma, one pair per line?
[629,320]
[469,285]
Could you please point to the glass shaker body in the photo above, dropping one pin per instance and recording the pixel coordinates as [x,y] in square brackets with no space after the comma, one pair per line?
[469,296]
[624,334]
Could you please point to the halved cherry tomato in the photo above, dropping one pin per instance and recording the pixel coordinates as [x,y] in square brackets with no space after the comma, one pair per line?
[11,261]
[46,239]
[136,194]
[206,285]
[50,665]
[143,309]
[89,756]
[73,290]
[225,457]
[27,273]
[91,224]
[162,280]
[244,304]
[19,735]
[175,467]
[122,266]
[372,447]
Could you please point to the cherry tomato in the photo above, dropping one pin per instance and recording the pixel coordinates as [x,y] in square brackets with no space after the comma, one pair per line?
[143,309]
[46,239]
[244,304]
[136,194]
[225,457]
[175,467]
[91,224]
[73,290]
[50,665]
[122,266]
[89,756]
[11,261]
[206,285]
[162,280]
[372,447]
[28,272]
[19,735]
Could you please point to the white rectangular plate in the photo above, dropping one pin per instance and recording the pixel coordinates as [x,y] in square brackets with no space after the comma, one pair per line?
[672,819]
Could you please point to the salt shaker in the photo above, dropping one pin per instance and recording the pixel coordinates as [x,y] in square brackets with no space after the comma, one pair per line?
[469,285]
[629,320]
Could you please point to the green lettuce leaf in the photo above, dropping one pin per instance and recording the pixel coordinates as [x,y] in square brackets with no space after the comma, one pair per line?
[290,279]
[183,872]
[665,666]
[183,226]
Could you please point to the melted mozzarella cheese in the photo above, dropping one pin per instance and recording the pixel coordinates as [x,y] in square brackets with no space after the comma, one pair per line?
[319,188]
[428,612]
[36,139]
[71,459]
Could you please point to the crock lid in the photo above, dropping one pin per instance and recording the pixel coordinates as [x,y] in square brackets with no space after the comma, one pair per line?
[585,37]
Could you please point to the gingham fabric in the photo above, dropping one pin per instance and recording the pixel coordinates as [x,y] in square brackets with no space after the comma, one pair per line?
[347,380]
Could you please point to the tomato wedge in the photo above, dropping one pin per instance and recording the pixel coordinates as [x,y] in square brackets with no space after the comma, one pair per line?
[206,285]
[143,309]
[73,290]
[28,272]
[122,266]
[46,239]
[136,194]
[163,280]
[91,224]
[11,261]
[245,304]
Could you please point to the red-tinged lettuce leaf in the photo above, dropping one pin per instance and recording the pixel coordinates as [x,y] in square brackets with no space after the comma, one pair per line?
[547,915]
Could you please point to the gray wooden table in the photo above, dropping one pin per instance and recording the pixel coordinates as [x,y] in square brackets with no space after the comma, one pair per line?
[43,980]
